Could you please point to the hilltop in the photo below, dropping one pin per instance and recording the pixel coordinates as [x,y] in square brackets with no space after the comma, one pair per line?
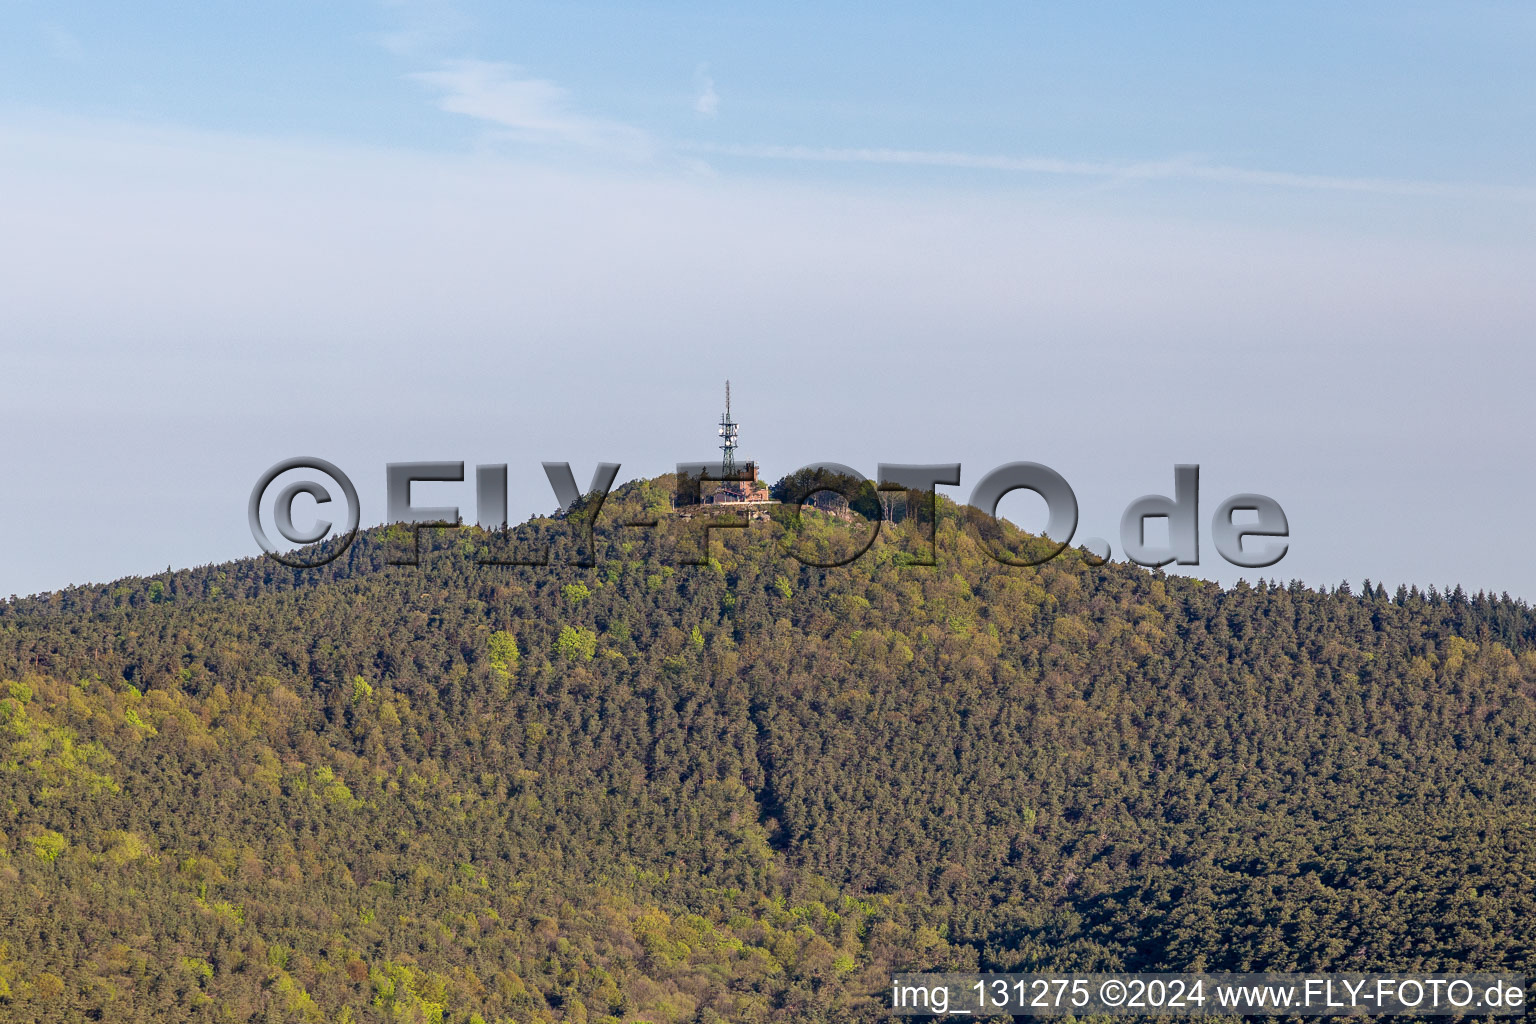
[745,790]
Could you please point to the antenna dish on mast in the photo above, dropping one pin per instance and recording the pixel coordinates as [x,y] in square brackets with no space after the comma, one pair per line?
[727,433]
[738,483]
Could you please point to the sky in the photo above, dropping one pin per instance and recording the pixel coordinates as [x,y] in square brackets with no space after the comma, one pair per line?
[1291,244]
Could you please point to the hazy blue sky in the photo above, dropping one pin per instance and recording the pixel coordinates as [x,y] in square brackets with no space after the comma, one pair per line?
[1292,244]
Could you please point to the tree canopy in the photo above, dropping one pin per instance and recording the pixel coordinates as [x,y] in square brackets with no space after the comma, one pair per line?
[745,790]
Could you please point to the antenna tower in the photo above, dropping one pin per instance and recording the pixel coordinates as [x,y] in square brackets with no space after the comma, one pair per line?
[728,438]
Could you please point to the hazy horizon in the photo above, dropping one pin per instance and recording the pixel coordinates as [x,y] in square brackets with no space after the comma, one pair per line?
[1293,247]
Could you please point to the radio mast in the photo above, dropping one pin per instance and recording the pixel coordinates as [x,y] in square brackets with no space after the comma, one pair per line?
[728,438]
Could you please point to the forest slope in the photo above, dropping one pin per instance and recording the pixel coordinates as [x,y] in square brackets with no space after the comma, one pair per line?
[739,791]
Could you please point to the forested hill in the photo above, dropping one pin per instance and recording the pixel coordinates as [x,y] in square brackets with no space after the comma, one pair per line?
[742,791]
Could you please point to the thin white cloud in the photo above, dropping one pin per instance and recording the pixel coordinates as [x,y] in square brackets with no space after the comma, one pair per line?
[539,111]
[1187,169]
[706,100]
[530,110]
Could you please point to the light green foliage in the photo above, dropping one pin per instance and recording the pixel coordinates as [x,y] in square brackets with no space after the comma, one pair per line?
[51,754]
[298,1003]
[409,993]
[781,584]
[124,847]
[503,654]
[232,912]
[48,845]
[576,644]
[575,593]
[331,788]
[361,690]
[197,967]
